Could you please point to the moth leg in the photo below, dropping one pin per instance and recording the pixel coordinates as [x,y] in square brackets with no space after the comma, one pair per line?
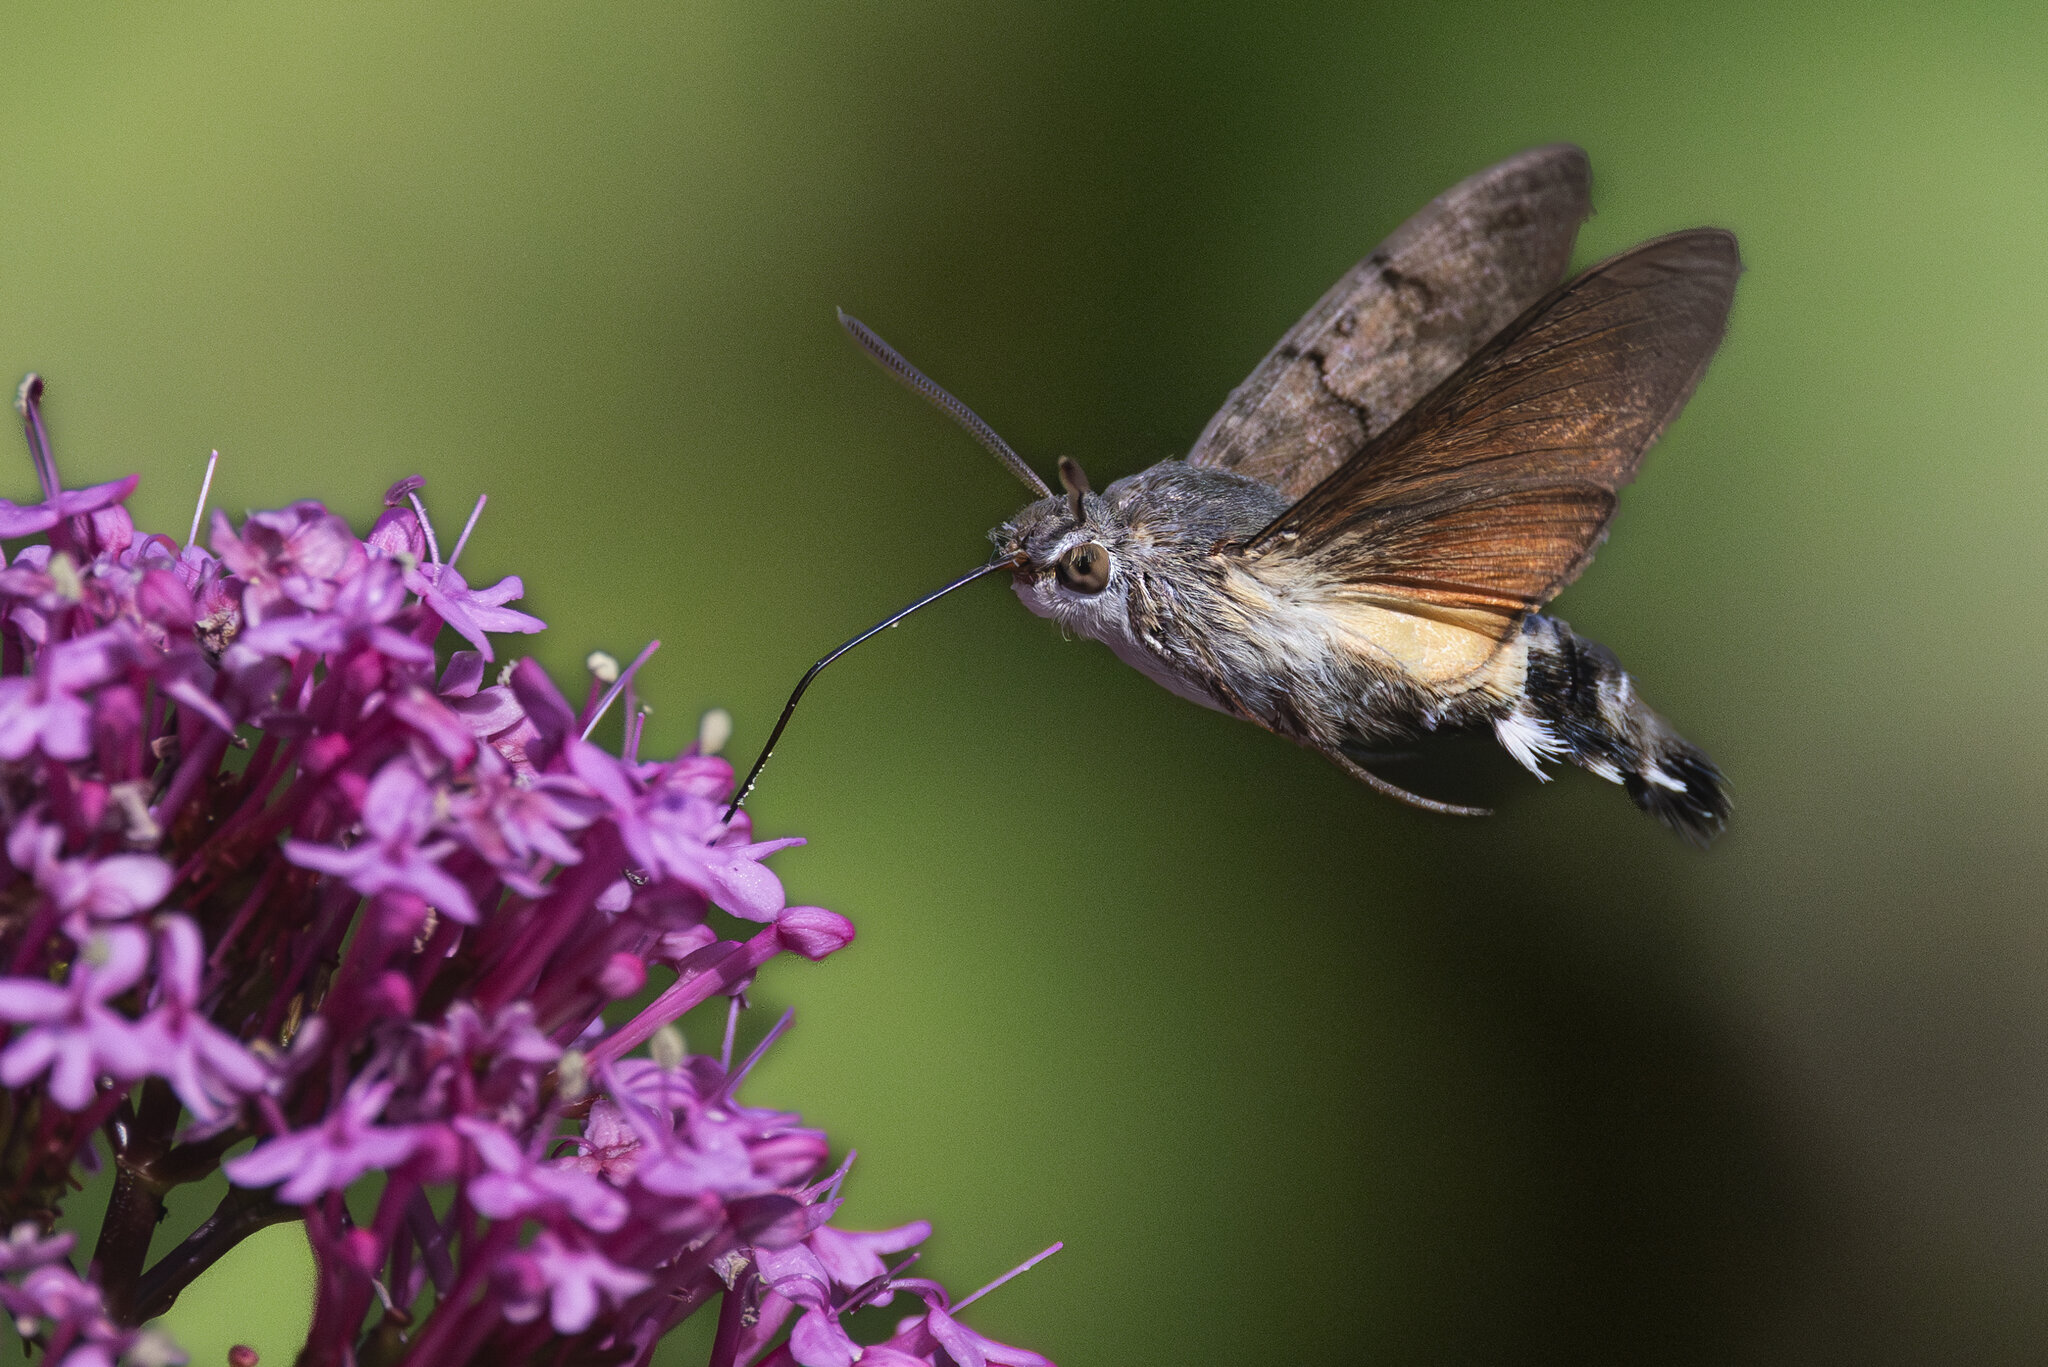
[1400,794]
[1382,756]
[1345,762]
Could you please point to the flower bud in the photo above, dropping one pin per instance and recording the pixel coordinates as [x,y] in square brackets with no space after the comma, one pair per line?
[392,996]
[324,752]
[786,1159]
[162,598]
[91,798]
[112,529]
[117,732]
[813,931]
[520,1285]
[674,946]
[622,976]
[358,1248]
[401,915]
[438,1156]
[364,672]
[397,533]
[772,1221]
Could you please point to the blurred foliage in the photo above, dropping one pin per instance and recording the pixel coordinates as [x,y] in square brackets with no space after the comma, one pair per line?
[1300,1075]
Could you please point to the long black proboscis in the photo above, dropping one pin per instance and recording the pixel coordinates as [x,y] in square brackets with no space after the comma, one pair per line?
[930,390]
[754,774]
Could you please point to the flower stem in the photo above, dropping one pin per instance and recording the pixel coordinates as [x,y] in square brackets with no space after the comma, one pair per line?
[137,1201]
[736,965]
[240,1213]
[732,1324]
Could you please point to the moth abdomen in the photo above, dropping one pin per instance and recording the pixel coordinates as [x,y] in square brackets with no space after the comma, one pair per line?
[1578,703]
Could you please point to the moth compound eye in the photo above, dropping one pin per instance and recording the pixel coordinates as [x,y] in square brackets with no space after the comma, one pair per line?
[1085,568]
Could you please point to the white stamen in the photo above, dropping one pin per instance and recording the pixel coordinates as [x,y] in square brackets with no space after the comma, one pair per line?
[714,729]
[572,1075]
[612,693]
[467,528]
[666,1048]
[1529,739]
[64,577]
[205,487]
[603,666]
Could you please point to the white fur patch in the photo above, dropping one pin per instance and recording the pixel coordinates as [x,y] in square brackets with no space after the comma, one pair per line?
[1664,780]
[1605,770]
[1529,739]
[1113,630]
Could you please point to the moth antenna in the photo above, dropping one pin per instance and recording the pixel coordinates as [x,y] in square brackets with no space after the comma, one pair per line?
[754,774]
[921,384]
[1398,793]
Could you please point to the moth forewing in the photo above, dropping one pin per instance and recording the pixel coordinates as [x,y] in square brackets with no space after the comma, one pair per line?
[1493,491]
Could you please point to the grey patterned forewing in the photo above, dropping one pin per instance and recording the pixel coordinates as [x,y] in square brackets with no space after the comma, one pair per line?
[1403,319]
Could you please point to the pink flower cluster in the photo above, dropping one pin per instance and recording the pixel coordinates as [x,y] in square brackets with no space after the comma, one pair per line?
[280,866]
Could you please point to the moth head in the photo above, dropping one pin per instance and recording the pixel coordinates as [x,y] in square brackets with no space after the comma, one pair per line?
[1070,550]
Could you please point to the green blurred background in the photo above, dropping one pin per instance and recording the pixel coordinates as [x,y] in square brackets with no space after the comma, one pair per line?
[1300,1075]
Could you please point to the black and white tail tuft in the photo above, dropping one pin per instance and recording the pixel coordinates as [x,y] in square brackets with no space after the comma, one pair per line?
[1579,704]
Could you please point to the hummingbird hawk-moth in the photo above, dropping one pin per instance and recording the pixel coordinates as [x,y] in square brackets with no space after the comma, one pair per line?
[1359,546]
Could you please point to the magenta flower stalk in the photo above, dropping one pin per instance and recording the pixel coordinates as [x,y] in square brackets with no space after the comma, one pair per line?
[301,883]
